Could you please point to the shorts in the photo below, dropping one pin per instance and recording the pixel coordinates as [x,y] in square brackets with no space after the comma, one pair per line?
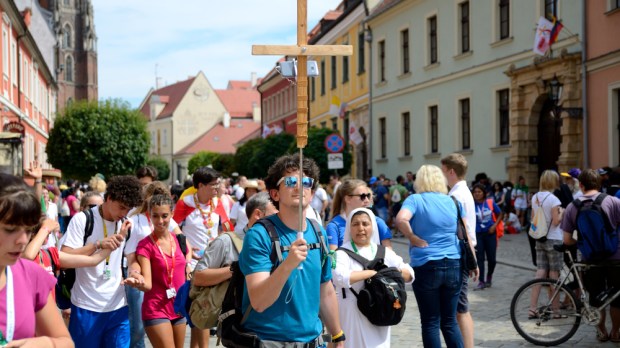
[597,279]
[153,322]
[520,204]
[462,305]
[547,258]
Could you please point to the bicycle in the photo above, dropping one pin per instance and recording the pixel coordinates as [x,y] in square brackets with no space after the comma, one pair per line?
[557,311]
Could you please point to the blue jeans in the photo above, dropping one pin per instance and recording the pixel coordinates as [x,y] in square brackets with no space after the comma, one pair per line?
[436,287]
[94,330]
[486,246]
[136,327]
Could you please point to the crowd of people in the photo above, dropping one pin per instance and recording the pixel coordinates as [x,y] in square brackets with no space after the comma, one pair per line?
[134,243]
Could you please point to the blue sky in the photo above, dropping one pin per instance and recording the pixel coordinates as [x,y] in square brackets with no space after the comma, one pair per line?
[136,36]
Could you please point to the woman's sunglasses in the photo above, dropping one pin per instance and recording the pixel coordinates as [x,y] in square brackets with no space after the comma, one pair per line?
[291,181]
[362,196]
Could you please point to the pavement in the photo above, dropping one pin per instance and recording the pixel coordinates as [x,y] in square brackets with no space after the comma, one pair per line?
[490,308]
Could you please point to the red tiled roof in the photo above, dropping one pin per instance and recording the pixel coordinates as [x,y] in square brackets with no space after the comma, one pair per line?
[239,102]
[220,139]
[173,93]
[239,84]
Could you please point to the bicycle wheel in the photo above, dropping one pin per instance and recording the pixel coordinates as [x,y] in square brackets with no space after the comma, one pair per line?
[549,319]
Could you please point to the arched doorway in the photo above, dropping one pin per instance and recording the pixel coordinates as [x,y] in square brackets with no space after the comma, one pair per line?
[549,138]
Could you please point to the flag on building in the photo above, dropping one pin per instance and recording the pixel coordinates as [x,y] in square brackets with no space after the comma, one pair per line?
[354,133]
[334,107]
[343,110]
[276,129]
[266,131]
[542,40]
[555,31]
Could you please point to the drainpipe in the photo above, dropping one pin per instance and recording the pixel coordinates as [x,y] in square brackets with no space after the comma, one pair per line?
[368,38]
[584,87]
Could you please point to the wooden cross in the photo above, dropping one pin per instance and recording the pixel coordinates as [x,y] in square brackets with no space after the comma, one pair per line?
[302,51]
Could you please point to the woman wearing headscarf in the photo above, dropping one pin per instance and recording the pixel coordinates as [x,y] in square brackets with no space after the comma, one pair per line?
[428,218]
[362,237]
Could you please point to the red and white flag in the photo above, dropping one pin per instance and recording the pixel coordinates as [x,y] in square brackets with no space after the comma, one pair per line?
[542,40]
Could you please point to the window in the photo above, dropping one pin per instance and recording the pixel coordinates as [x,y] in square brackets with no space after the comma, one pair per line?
[345,69]
[432,39]
[324,124]
[66,36]
[504,117]
[434,129]
[406,134]
[345,127]
[551,9]
[5,52]
[615,4]
[382,61]
[323,77]
[464,9]
[504,19]
[404,42]
[69,69]
[313,88]
[465,124]
[333,67]
[13,62]
[360,53]
[165,141]
[383,137]
[334,123]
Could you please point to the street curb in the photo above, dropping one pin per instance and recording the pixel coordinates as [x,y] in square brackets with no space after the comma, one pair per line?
[519,265]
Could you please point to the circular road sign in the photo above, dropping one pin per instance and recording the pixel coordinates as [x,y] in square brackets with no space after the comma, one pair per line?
[334,143]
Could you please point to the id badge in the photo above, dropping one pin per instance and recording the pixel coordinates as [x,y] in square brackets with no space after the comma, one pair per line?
[171,293]
[107,274]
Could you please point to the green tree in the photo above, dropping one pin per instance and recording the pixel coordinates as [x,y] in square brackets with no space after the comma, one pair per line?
[224,163]
[243,161]
[201,159]
[273,147]
[162,166]
[316,150]
[105,137]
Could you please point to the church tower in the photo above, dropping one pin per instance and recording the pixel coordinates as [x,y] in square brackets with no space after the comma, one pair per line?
[76,49]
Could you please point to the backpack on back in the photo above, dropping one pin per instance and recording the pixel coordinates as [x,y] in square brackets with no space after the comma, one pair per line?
[499,228]
[207,300]
[597,239]
[396,195]
[229,329]
[383,298]
[539,226]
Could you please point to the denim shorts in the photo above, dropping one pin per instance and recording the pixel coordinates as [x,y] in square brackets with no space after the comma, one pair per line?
[463,305]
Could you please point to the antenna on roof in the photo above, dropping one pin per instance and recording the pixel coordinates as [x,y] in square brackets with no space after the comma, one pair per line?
[157,78]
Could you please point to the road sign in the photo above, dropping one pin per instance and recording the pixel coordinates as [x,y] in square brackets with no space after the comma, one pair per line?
[335,161]
[334,143]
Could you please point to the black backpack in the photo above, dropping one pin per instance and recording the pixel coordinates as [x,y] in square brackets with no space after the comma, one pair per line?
[66,276]
[597,239]
[383,298]
[229,329]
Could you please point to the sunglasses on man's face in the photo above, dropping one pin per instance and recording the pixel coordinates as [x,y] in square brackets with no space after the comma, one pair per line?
[362,196]
[291,181]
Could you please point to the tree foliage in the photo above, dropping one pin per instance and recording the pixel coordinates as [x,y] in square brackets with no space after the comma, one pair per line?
[105,137]
[162,166]
[224,163]
[244,156]
[201,159]
[272,147]
[316,150]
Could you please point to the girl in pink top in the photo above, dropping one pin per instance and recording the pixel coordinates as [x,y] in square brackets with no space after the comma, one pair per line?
[162,265]
[27,308]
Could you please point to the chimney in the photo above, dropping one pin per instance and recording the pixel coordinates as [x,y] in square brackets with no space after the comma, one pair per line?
[253,79]
[27,13]
[226,121]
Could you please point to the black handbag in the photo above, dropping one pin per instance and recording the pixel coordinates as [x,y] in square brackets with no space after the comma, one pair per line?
[468,259]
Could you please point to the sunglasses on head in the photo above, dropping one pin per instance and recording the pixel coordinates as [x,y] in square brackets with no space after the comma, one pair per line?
[91,206]
[291,181]
[362,196]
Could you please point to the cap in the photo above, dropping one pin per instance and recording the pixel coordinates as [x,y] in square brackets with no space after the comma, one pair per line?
[63,187]
[372,180]
[602,171]
[251,184]
[573,172]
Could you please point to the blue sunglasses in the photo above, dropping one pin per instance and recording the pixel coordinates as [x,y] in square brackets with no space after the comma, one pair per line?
[291,181]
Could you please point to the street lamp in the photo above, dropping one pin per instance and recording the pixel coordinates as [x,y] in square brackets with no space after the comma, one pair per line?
[555,94]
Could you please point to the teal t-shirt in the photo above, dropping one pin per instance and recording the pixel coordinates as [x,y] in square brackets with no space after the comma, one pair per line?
[294,317]
[434,220]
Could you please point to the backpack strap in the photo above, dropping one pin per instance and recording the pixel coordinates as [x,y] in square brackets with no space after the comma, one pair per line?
[380,252]
[90,223]
[319,237]
[237,242]
[358,258]
[277,249]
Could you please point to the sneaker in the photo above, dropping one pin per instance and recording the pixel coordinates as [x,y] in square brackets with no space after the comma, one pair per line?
[489,282]
[480,286]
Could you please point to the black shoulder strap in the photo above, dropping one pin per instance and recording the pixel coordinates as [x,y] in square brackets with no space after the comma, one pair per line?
[380,252]
[319,237]
[600,198]
[360,259]
[90,223]
[49,255]
[276,248]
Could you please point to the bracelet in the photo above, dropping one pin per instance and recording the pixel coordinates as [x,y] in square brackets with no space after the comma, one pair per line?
[37,181]
[338,335]
[340,338]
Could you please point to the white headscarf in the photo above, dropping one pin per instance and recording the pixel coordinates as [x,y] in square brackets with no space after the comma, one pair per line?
[374,238]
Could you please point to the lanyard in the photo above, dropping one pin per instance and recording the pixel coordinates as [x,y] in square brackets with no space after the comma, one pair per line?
[105,235]
[169,271]
[10,309]
[372,249]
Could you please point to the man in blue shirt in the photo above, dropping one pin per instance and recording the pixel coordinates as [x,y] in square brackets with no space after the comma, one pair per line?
[286,302]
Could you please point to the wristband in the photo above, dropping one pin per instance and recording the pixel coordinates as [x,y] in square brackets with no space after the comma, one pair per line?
[97,245]
[339,337]
[37,181]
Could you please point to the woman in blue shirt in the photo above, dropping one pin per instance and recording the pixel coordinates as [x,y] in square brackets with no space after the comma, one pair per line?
[488,214]
[435,255]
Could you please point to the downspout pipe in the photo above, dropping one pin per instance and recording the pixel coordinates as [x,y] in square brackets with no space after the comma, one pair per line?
[584,86]
[368,38]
